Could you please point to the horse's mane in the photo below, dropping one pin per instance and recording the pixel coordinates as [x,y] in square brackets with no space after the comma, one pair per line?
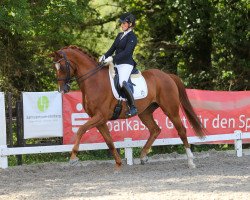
[79,50]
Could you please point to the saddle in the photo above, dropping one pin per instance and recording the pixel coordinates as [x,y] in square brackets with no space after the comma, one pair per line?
[136,83]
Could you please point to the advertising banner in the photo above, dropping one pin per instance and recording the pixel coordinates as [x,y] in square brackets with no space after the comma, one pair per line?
[42,114]
[2,120]
[220,112]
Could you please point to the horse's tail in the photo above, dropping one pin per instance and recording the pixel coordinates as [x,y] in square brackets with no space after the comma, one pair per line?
[188,108]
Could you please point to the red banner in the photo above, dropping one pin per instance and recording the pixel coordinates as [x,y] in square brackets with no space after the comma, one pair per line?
[220,112]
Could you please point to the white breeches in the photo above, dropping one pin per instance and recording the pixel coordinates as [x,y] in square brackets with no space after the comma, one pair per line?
[124,71]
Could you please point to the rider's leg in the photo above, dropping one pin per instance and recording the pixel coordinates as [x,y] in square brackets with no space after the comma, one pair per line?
[131,101]
[124,71]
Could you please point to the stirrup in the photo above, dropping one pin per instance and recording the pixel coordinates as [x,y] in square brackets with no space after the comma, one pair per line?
[132,112]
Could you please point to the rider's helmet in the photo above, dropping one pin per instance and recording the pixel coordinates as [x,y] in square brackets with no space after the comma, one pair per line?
[127,17]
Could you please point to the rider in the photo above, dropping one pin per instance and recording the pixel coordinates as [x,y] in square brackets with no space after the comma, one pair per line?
[123,47]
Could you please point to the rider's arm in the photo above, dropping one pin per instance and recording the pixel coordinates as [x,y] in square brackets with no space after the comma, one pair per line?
[113,47]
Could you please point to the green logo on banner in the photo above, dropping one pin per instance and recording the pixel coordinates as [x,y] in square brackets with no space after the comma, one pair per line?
[43,103]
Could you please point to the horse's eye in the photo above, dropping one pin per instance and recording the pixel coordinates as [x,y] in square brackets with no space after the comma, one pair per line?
[57,65]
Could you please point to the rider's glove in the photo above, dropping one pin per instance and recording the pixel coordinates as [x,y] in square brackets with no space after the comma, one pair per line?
[102,58]
[108,59]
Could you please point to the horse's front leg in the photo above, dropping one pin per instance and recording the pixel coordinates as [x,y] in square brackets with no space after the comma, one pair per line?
[148,120]
[93,122]
[109,141]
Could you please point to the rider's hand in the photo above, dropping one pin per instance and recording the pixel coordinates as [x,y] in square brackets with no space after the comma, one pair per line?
[102,58]
[108,59]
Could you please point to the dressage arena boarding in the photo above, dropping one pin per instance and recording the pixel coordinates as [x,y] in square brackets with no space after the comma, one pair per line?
[219,175]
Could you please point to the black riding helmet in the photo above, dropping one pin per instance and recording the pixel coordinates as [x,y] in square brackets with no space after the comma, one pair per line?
[127,17]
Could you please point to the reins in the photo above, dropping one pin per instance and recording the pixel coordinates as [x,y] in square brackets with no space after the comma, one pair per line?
[90,73]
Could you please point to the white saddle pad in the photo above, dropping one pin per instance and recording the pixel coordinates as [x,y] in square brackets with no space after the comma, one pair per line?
[140,88]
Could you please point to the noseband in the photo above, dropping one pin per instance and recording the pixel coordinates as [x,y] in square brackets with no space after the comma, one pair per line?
[83,77]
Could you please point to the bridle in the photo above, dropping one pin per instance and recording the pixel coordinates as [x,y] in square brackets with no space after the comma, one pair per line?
[68,79]
[68,66]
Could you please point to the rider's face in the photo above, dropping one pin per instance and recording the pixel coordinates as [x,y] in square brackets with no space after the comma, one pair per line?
[124,26]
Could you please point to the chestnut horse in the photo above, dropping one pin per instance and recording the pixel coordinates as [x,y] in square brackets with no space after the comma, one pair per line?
[164,90]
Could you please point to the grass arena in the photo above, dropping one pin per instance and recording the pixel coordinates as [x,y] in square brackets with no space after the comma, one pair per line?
[219,175]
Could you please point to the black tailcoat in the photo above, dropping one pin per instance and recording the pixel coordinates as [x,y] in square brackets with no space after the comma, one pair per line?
[123,48]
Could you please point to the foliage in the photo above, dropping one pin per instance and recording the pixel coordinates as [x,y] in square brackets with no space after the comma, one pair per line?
[205,42]
[30,30]
[200,40]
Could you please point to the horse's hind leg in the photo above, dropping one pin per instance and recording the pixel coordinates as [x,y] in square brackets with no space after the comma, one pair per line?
[182,133]
[108,139]
[176,120]
[148,120]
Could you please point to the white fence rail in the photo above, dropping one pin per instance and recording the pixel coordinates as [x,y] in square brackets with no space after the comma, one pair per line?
[127,144]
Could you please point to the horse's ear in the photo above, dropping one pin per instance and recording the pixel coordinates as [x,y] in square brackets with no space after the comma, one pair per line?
[54,54]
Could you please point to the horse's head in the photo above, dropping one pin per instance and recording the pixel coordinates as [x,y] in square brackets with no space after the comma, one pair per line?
[73,61]
[64,70]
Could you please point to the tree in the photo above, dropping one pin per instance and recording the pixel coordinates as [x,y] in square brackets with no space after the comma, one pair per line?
[205,42]
[31,29]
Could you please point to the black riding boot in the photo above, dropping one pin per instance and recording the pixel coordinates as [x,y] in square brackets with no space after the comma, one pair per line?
[131,102]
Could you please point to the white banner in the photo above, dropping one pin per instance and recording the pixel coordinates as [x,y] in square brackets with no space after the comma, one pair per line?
[2,120]
[42,114]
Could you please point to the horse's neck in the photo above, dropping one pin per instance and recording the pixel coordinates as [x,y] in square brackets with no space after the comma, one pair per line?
[84,64]
[93,81]
[95,90]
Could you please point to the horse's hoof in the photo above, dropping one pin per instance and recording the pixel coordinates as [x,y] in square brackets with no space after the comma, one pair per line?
[191,165]
[144,160]
[117,171]
[74,162]
[124,161]
[118,168]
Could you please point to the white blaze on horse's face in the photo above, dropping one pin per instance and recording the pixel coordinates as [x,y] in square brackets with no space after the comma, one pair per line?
[57,65]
